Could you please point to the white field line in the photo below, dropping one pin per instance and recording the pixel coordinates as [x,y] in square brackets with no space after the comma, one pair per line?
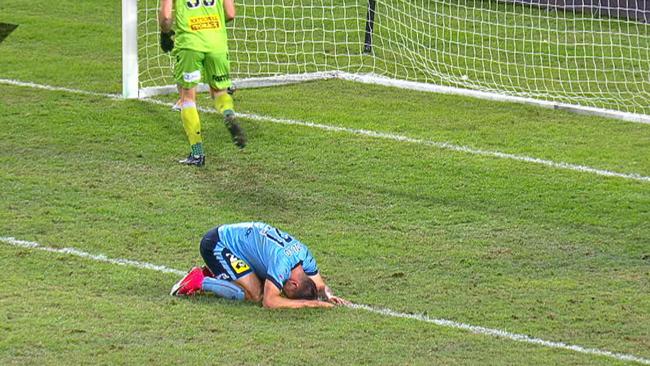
[57,88]
[440,145]
[95,257]
[374,134]
[504,334]
[386,312]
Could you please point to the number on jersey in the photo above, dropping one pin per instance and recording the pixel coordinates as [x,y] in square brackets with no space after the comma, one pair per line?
[193,4]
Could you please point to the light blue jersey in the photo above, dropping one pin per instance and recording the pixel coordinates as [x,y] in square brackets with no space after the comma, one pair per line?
[270,252]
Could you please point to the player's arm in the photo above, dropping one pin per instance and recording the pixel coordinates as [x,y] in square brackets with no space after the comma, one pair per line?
[229,9]
[273,299]
[324,291]
[165,16]
[165,22]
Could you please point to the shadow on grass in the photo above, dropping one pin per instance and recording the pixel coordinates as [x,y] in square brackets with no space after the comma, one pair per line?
[6,29]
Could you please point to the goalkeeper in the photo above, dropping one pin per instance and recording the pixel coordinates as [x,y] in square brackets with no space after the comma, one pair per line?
[239,255]
[200,46]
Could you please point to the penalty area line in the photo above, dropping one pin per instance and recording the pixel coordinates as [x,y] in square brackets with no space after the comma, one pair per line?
[498,333]
[368,133]
[96,257]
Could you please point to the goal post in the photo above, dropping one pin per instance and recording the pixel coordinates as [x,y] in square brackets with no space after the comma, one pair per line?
[584,55]
[130,77]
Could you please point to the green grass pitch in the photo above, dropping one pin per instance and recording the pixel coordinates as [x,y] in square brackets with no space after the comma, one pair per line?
[553,253]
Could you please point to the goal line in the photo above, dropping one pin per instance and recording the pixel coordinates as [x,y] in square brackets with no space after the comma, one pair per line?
[270,81]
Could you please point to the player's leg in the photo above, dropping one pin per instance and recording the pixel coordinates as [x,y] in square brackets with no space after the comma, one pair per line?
[221,285]
[177,106]
[246,287]
[217,70]
[223,288]
[233,278]
[189,284]
[187,71]
[252,285]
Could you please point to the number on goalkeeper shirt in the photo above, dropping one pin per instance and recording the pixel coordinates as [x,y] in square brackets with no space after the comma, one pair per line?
[193,4]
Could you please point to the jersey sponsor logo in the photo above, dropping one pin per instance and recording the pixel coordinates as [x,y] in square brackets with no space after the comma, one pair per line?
[205,22]
[237,265]
[190,77]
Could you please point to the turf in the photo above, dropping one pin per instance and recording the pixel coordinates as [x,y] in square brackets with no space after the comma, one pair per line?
[556,254]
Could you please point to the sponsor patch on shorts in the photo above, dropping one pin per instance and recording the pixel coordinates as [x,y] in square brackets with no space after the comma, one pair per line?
[191,77]
[237,265]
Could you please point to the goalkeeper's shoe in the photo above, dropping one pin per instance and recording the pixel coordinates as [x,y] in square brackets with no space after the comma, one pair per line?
[189,284]
[236,132]
[196,160]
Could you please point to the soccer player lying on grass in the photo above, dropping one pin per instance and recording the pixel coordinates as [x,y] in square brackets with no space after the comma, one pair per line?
[258,262]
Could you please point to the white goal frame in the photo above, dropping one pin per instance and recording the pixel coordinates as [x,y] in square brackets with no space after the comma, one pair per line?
[131,86]
[130,76]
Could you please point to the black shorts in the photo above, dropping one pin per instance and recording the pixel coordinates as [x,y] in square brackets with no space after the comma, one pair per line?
[220,259]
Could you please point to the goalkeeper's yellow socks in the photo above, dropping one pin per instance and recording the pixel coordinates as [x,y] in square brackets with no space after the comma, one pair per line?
[192,126]
[223,102]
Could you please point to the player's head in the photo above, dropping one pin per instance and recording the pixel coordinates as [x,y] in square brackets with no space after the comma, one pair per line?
[300,286]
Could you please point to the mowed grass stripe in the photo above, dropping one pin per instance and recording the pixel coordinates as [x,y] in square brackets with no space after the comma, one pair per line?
[385,312]
[95,313]
[96,179]
[368,133]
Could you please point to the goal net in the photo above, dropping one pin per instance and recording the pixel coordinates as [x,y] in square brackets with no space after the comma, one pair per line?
[583,53]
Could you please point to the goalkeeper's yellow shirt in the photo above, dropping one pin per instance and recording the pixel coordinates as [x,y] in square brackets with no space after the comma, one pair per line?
[200,26]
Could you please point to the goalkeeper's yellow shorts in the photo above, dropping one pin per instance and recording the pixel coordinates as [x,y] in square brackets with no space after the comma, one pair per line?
[193,67]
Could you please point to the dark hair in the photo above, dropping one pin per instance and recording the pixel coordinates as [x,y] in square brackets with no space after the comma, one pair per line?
[306,290]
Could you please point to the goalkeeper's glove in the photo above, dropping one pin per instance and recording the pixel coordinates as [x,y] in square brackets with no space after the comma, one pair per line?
[166,41]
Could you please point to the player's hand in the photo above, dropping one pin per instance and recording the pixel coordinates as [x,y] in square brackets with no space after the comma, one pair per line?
[166,41]
[338,300]
[318,304]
